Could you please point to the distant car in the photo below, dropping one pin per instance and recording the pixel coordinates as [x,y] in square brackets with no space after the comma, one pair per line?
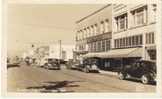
[43,62]
[14,62]
[71,64]
[52,64]
[88,65]
[140,70]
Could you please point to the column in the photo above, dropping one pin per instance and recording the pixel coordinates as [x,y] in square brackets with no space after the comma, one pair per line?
[145,14]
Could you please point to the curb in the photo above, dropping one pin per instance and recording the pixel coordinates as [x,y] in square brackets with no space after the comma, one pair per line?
[108,72]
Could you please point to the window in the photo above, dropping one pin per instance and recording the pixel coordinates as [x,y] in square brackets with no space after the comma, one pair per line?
[108,45]
[106,25]
[150,38]
[102,27]
[121,22]
[116,44]
[154,12]
[133,40]
[127,42]
[84,34]
[77,35]
[124,42]
[95,46]
[103,45]
[139,16]
[140,37]
[88,32]
[92,30]
[95,29]
[120,46]
[98,45]
[91,47]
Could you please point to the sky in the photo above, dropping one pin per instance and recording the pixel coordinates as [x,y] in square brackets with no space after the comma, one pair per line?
[43,23]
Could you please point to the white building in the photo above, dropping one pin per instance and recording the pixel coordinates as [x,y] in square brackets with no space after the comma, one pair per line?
[64,52]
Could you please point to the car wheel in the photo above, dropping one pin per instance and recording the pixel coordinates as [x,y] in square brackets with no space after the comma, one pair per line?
[144,79]
[121,76]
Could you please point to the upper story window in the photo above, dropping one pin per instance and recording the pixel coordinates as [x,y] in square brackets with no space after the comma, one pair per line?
[95,29]
[88,32]
[106,25]
[84,33]
[92,30]
[81,34]
[77,36]
[102,27]
[154,12]
[139,16]
[121,22]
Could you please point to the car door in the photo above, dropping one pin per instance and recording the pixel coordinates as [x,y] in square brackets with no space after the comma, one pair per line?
[133,70]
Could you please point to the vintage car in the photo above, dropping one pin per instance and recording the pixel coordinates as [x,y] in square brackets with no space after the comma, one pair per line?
[51,63]
[141,70]
[88,65]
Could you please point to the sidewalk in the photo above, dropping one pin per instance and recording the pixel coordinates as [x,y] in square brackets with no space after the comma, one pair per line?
[108,72]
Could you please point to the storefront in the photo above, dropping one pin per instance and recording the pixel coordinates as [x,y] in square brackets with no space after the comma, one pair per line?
[114,59]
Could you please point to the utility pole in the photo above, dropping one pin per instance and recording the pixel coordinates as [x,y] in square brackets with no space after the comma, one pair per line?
[60,49]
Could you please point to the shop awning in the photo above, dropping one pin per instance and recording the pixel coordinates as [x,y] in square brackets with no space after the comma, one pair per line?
[117,53]
[90,55]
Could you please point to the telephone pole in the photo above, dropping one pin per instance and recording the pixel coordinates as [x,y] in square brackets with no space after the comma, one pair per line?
[60,49]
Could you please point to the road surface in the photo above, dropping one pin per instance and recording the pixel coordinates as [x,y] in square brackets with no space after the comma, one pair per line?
[35,79]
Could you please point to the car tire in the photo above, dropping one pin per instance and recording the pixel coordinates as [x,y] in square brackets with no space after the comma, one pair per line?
[144,79]
[121,76]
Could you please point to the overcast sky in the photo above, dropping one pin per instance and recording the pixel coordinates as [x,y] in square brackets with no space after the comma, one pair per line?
[44,23]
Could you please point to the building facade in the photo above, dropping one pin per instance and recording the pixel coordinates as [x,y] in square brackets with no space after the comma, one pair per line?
[118,34]
[135,27]
[94,32]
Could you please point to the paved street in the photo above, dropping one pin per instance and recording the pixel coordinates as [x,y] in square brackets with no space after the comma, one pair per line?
[35,79]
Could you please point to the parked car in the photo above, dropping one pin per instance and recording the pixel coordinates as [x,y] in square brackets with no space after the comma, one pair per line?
[88,65]
[141,70]
[51,63]
[13,62]
[71,64]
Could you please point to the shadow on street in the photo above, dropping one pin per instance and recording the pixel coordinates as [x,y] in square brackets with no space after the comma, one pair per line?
[57,86]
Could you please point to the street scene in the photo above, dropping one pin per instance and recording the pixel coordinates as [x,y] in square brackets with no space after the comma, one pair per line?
[65,48]
[36,79]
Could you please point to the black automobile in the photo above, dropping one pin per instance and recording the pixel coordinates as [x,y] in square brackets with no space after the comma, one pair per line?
[52,64]
[141,70]
[88,65]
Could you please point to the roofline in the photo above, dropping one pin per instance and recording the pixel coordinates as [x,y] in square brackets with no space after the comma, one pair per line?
[92,13]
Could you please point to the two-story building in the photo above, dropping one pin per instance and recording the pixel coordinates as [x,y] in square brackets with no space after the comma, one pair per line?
[118,34]
[134,30]
[94,33]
